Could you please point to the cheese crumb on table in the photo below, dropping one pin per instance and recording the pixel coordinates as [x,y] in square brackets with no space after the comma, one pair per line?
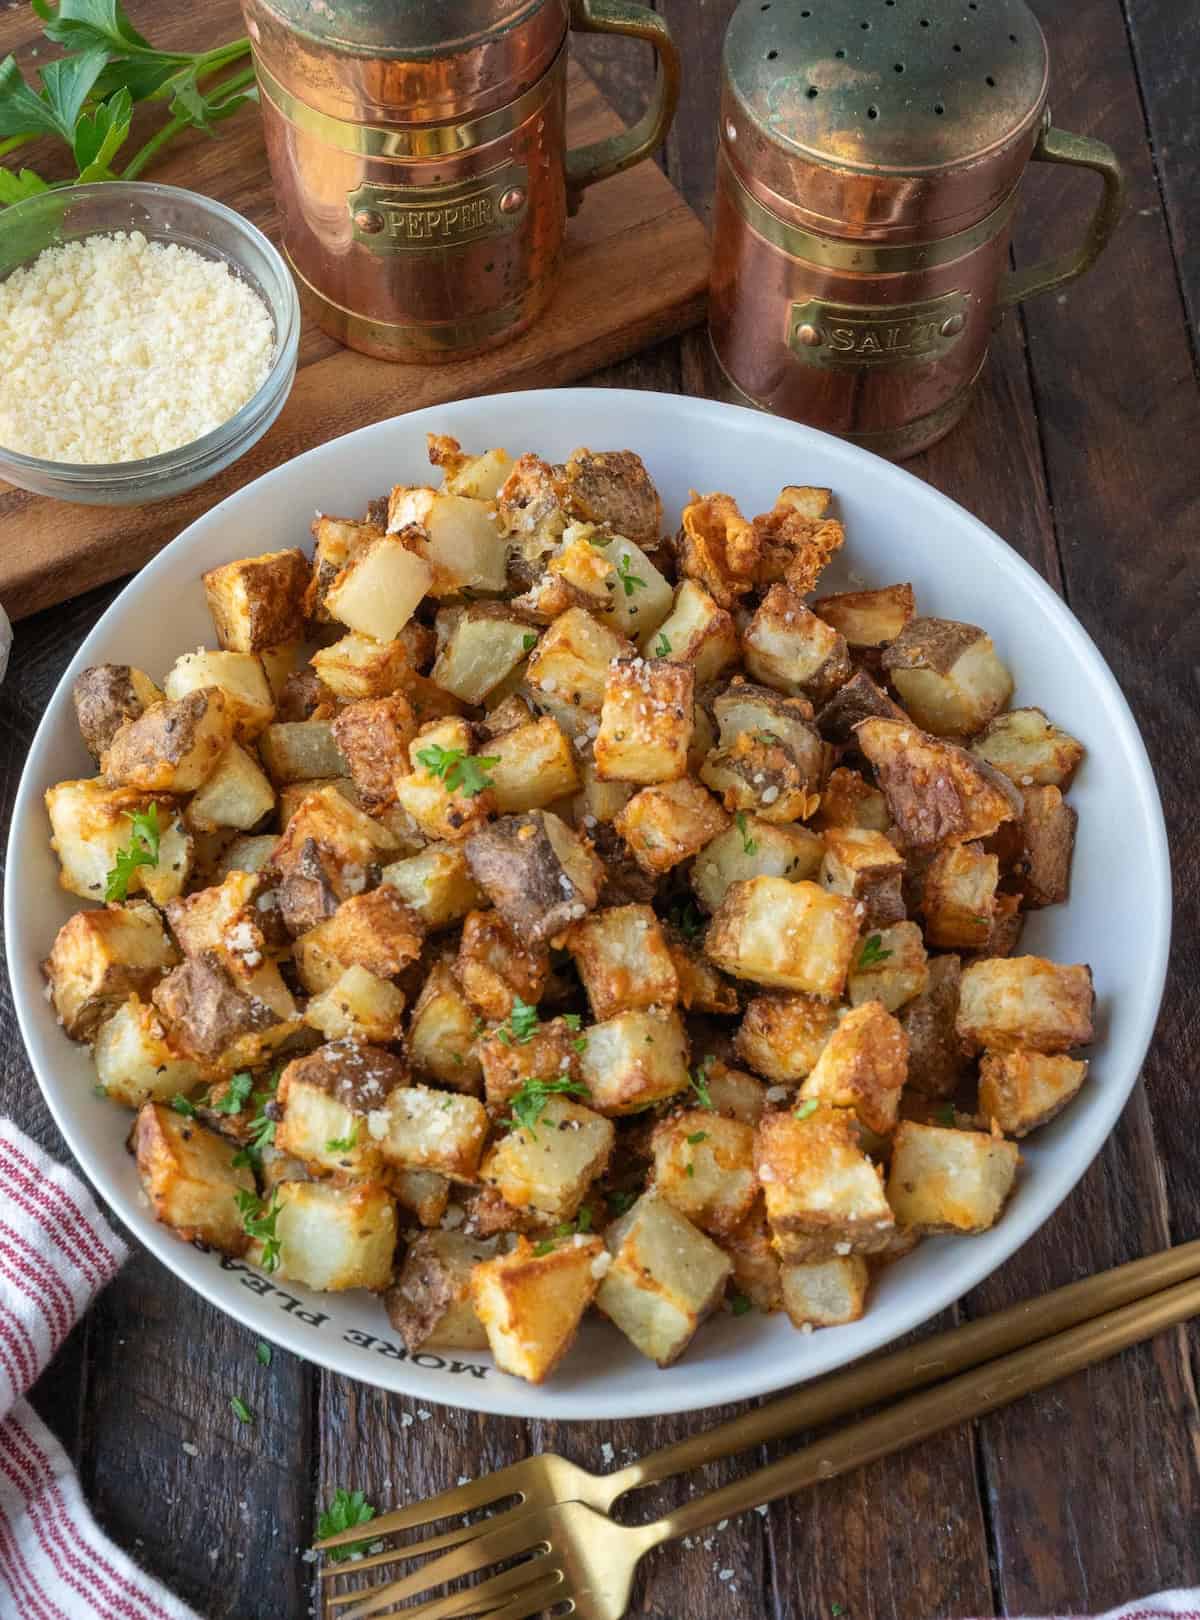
[114,348]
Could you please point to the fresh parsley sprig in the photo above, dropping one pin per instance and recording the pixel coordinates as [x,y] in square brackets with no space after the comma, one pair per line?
[662,648]
[528,1103]
[459,771]
[521,1025]
[346,1509]
[631,582]
[343,1144]
[699,1084]
[872,952]
[142,848]
[749,844]
[807,1108]
[259,1221]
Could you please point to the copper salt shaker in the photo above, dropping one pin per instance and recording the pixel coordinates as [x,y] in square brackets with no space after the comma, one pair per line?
[870,155]
[419,159]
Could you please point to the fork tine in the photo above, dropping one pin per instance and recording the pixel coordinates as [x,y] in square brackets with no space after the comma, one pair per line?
[530,1600]
[418,1549]
[524,1535]
[446,1505]
[513,1591]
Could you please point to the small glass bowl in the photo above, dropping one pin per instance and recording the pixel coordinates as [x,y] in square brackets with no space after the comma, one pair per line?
[162,214]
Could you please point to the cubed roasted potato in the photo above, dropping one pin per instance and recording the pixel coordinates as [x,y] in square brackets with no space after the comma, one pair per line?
[612,487]
[239,676]
[1042,870]
[258,602]
[794,936]
[859,699]
[187,1173]
[868,619]
[634,1060]
[236,795]
[457,536]
[1029,749]
[825,1293]
[746,709]
[301,751]
[373,737]
[323,1102]
[353,841]
[782,1036]
[448,794]
[1022,1090]
[430,1303]
[646,721]
[697,631]
[703,988]
[421,1129]
[732,1093]
[171,747]
[359,1006]
[570,663]
[379,588]
[797,537]
[544,1051]
[937,793]
[442,1032]
[958,897]
[668,823]
[332,1238]
[935,1057]
[1025,1001]
[336,540]
[752,848]
[948,676]
[622,957]
[890,966]
[284,668]
[863,1065]
[944,1180]
[422,1193]
[786,646]
[866,867]
[540,875]
[755,1279]
[219,1021]
[357,667]
[717,547]
[436,884]
[823,1195]
[759,776]
[479,477]
[91,823]
[579,574]
[99,958]
[375,930]
[532,1300]
[493,966]
[849,800]
[530,507]
[664,1278]
[547,1168]
[482,643]
[704,1167]
[223,918]
[105,696]
[135,1062]
[532,766]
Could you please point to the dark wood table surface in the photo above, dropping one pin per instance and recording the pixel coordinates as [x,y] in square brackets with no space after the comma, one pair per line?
[1083,450]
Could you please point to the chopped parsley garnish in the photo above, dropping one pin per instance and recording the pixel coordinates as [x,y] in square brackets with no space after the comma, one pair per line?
[945,1115]
[631,582]
[565,1229]
[263,1351]
[595,539]
[237,1096]
[836,1610]
[544,1247]
[699,1084]
[240,1410]
[580,1045]
[697,1136]
[521,1025]
[749,844]
[689,1168]
[872,952]
[184,1105]
[347,1509]
[261,1129]
[685,916]
[767,737]
[528,1103]
[342,1144]
[141,850]
[583,1221]
[571,1020]
[459,771]
[259,1222]
[621,1200]
[529,641]
[663,646]
[739,1304]
[807,1108]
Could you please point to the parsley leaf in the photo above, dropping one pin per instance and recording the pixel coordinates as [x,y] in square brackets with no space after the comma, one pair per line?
[263,1351]
[347,1509]
[571,1020]
[631,582]
[240,1410]
[235,1098]
[663,646]
[697,1136]
[528,1103]
[945,1115]
[872,953]
[259,1222]
[807,1108]
[544,1247]
[689,1168]
[621,1200]
[142,850]
[685,916]
[184,1105]
[342,1144]
[459,771]
[749,844]
[699,1084]
[529,641]
[521,1025]
[739,1305]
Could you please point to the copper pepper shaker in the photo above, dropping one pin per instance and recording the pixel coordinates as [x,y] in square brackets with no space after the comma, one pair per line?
[870,155]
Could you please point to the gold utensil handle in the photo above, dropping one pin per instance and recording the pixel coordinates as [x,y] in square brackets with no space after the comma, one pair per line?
[970,1395]
[1081,151]
[916,1366]
[587,164]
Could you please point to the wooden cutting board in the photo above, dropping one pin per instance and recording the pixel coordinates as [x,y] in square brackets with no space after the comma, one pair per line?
[635,272]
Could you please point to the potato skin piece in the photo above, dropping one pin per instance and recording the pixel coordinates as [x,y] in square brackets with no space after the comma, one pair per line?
[205,1011]
[935,1057]
[258,602]
[859,699]
[613,487]
[173,747]
[937,793]
[519,862]
[105,696]
[429,1304]
[374,737]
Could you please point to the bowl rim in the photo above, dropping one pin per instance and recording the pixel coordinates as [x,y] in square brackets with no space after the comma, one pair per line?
[115,474]
[505,1396]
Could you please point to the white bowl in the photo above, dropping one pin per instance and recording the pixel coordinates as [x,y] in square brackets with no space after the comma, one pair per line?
[898,529]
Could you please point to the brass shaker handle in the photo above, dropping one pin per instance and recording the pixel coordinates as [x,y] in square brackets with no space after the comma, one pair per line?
[1082,152]
[587,164]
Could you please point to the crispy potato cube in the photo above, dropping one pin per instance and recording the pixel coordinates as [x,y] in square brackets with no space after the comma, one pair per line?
[239,676]
[1029,750]
[750,849]
[336,541]
[333,1238]
[100,957]
[862,1066]
[533,767]
[948,1180]
[549,1050]
[187,1174]
[375,930]
[948,675]
[890,967]
[667,823]
[1022,1090]
[540,875]
[243,854]
[570,662]
[220,1021]
[696,631]
[797,537]
[704,1167]
[786,646]
[421,1129]
[105,696]
[935,1058]
[442,1032]
[866,867]
[328,820]
[493,966]
[531,1303]
[760,778]
[258,602]
[323,1101]
[791,935]
[634,1060]
[236,795]
[301,751]
[422,1193]
[958,897]
[639,597]
[769,717]
[868,619]
[135,1063]
[755,1263]
[718,548]
[373,737]
[733,1093]
[358,667]
[224,918]
[849,800]
[436,884]
[665,1277]
[549,1169]
[860,699]
[646,721]
[825,1293]
[613,487]
[458,538]
[782,1036]
[702,987]
[823,1195]
[937,793]
[171,747]
[483,643]
[479,477]
[439,797]
[1042,870]
[1025,1001]
[622,957]
[378,590]
[90,823]
[358,1006]
[430,1304]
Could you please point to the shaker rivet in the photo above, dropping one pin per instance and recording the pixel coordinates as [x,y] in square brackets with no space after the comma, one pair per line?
[369,221]
[807,333]
[512,201]
[953,325]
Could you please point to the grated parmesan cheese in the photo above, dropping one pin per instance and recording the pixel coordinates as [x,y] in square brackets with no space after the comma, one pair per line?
[113,348]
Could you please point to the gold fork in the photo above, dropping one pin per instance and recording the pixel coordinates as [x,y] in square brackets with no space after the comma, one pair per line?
[547,1480]
[581,1562]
